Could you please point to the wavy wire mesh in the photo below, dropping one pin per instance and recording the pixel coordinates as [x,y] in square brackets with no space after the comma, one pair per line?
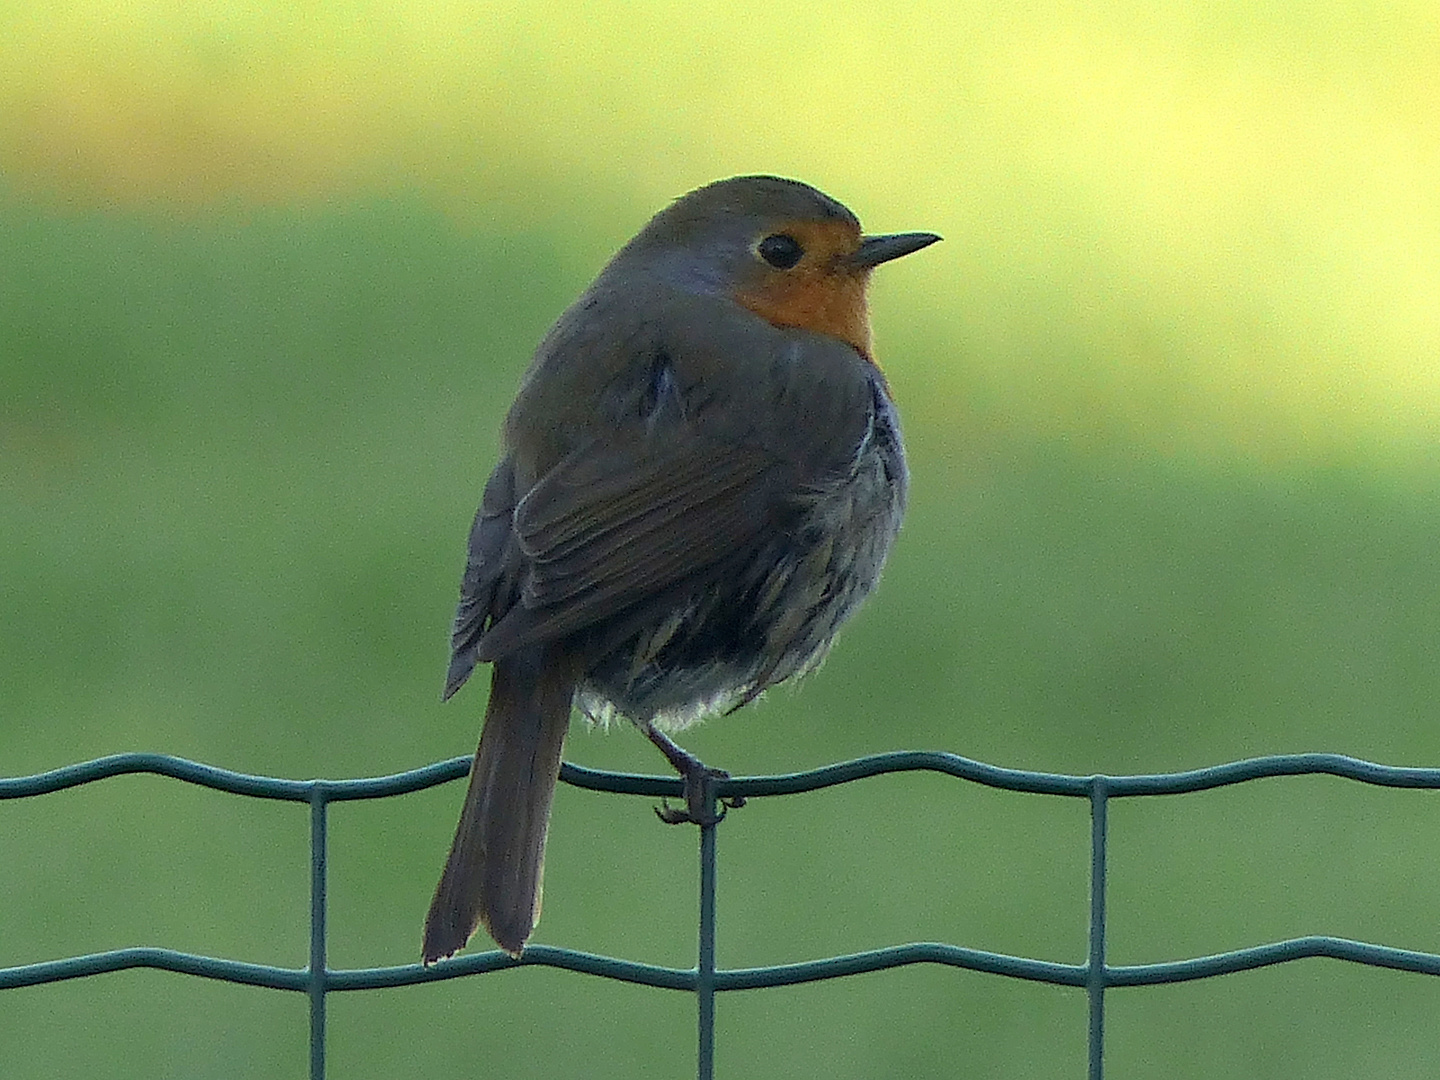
[317,980]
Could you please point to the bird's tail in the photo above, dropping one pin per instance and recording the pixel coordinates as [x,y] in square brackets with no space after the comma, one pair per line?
[493,874]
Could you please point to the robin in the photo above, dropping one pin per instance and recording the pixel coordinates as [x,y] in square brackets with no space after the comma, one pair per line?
[701,476]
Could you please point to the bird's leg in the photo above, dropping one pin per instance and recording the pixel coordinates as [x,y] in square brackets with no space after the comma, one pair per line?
[700,780]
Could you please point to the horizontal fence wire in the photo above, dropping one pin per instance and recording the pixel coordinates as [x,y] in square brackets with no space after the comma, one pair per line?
[317,979]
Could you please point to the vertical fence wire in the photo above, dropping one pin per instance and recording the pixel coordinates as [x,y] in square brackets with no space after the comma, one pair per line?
[318,972]
[1096,973]
[705,969]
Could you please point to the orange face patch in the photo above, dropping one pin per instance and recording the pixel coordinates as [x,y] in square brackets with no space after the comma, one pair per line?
[822,292]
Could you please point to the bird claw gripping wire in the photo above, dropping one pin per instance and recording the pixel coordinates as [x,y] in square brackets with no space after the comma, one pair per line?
[700,781]
[700,798]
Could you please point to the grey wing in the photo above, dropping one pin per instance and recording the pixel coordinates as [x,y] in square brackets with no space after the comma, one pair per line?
[611,528]
[484,587]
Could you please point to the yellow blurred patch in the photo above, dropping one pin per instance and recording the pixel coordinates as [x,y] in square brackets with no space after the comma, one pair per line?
[1188,223]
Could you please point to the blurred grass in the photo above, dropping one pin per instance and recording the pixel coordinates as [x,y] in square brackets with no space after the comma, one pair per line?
[238,456]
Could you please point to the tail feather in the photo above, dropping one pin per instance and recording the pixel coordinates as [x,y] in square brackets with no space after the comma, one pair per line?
[493,874]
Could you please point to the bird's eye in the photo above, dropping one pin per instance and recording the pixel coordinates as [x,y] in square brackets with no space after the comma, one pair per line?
[780,251]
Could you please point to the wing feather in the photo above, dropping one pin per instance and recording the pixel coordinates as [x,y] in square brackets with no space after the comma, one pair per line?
[607,531]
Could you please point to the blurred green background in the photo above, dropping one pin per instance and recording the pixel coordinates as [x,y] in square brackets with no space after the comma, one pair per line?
[269,274]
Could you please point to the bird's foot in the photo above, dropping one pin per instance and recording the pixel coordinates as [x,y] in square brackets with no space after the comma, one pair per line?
[700,782]
[700,798]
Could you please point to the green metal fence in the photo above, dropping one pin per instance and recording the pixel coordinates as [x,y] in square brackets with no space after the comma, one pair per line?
[317,980]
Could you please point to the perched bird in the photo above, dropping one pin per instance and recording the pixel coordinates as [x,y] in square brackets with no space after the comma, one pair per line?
[701,476]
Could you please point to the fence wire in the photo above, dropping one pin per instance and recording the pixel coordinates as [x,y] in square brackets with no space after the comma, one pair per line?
[317,979]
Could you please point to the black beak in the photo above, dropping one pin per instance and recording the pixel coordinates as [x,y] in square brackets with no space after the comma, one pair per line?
[875,250]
